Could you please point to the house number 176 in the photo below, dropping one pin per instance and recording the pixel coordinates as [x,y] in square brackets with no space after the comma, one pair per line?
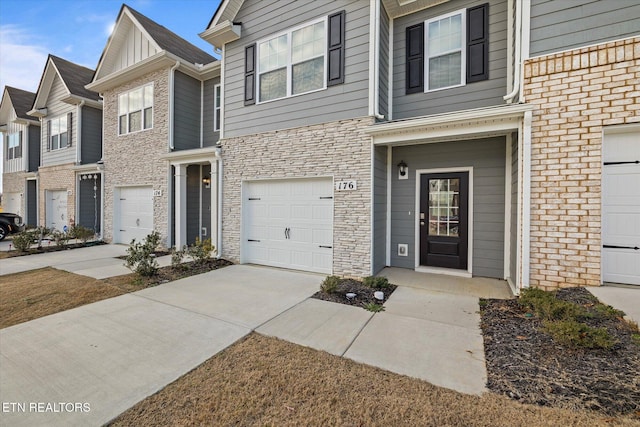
[346,185]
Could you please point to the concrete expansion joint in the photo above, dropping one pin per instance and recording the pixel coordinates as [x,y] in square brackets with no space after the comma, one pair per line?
[358,334]
[279,314]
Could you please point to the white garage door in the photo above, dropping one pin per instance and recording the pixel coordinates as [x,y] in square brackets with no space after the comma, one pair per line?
[134,214]
[56,214]
[12,202]
[621,208]
[289,223]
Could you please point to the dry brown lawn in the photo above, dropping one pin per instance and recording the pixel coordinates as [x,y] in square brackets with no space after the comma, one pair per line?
[37,293]
[264,381]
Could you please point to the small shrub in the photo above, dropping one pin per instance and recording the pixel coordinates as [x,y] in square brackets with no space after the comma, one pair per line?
[22,241]
[604,311]
[60,238]
[140,255]
[81,233]
[376,282]
[40,233]
[330,284]
[373,307]
[576,334]
[177,256]
[546,306]
[201,250]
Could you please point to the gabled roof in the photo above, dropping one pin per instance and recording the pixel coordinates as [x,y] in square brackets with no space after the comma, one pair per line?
[226,11]
[21,100]
[171,42]
[74,77]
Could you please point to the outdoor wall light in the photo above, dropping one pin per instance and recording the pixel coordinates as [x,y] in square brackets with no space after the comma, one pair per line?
[402,170]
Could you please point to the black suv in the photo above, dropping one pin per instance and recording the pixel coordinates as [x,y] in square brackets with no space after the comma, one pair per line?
[10,223]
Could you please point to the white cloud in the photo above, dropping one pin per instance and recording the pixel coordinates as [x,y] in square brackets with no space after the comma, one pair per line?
[22,61]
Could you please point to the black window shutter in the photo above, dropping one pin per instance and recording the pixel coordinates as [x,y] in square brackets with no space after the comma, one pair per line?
[69,128]
[19,147]
[415,59]
[478,43]
[48,135]
[6,146]
[250,75]
[336,42]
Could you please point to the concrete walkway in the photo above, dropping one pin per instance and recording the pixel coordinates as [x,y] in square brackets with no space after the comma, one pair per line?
[624,298]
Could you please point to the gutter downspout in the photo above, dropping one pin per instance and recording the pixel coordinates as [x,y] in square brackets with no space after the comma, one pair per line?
[171,101]
[517,57]
[219,243]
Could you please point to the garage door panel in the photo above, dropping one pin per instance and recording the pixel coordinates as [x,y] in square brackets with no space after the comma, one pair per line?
[134,211]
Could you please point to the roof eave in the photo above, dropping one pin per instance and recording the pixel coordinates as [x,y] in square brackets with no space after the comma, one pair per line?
[222,34]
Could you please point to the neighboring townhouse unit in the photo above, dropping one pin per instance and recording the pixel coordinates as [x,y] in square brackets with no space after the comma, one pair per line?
[69,176]
[358,135]
[582,75]
[161,114]
[21,156]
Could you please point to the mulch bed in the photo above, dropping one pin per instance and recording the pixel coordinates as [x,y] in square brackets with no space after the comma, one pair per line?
[526,364]
[50,246]
[364,294]
[169,273]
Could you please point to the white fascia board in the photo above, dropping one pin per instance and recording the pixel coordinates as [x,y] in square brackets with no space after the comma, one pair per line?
[143,67]
[191,156]
[222,33]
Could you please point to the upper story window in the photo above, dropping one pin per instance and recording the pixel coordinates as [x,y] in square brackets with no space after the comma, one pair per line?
[14,145]
[59,132]
[448,51]
[445,54]
[135,110]
[293,62]
[217,99]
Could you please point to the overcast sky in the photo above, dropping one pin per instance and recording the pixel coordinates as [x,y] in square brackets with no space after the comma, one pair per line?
[77,30]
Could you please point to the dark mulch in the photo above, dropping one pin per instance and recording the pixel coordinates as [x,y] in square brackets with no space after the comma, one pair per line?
[157,254]
[526,364]
[364,294]
[50,246]
[169,273]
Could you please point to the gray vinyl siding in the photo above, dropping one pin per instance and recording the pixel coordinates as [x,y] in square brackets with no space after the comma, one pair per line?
[487,157]
[473,95]
[193,203]
[343,101]
[383,84]
[206,203]
[513,261]
[91,150]
[379,209]
[57,108]
[186,111]
[562,25]
[210,137]
[89,207]
[31,217]
[33,151]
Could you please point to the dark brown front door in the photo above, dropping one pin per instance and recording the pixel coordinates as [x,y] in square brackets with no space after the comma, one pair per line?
[444,208]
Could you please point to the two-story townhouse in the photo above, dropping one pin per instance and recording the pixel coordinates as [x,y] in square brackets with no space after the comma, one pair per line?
[582,74]
[21,157]
[69,176]
[359,135]
[161,118]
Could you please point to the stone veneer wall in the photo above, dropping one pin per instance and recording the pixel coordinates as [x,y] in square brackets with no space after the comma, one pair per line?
[576,93]
[58,177]
[340,149]
[134,159]
[15,182]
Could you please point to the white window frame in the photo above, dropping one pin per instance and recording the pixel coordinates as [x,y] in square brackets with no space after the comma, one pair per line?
[463,49]
[142,110]
[11,149]
[289,66]
[58,147]
[217,95]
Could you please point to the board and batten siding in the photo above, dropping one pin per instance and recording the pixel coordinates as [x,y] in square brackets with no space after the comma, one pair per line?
[17,164]
[383,66]
[209,137]
[379,208]
[186,109]
[91,150]
[55,109]
[33,148]
[487,157]
[562,25]
[339,102]
[472,95]
[135,47]
[513,261]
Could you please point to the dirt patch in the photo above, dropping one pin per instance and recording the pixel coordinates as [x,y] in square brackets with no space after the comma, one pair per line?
[48,246]
[37,293]
[264,381]
[527,365]
[364,294]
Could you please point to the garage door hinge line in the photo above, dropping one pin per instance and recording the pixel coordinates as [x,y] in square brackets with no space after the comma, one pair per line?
[635,248]
[633,162]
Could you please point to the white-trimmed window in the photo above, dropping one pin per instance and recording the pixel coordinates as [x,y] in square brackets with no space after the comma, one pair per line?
[445,51]
[217,108]
[293,62]
[59,133]
[135,110]
[14,146]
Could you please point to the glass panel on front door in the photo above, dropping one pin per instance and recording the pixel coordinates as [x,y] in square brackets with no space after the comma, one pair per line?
[444,207]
